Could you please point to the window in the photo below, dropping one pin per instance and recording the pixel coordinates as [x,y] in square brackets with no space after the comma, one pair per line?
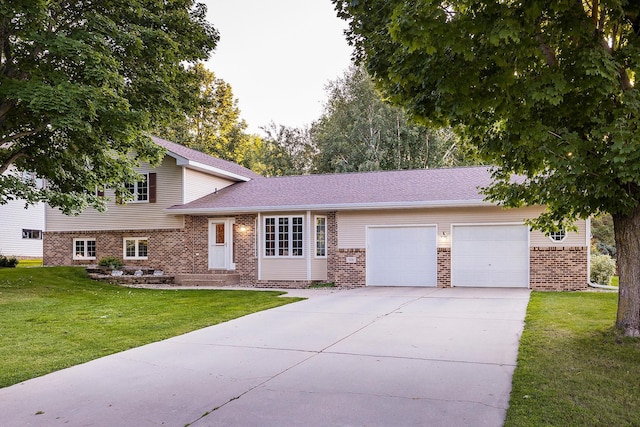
[31,234]
[136,247]
[558,236]
[84,248]
[283,236]
[140,189]
[321,236]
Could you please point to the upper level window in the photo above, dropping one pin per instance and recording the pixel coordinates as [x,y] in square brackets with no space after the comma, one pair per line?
[84,248]
[136,247]
[321,236]
[558,236]
[283,236]
[140,189]
[31,234]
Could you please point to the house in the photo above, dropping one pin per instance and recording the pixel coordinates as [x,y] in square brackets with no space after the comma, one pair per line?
[21,231]
[202,216]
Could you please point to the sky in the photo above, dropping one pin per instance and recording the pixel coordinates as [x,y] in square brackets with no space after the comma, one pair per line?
[278,56]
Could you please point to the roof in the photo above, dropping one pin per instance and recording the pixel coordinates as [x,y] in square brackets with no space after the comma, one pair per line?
[367,190]
[197,160]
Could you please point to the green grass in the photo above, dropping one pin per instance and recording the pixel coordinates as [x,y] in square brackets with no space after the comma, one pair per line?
[30,263]
[615,281]
[322,285]
[574,368]
[55,317]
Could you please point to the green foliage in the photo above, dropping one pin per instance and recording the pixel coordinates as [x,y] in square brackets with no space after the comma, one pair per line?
[603,267]
[287,150]
[80,85]
[55,317]
[359,131]
[110,261]
[572,369]
[8,262]
[543,89]
[214,125]
[602,234]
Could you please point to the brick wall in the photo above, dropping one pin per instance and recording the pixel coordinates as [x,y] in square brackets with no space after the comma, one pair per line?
[558,268]
[444,267]
[350,274]
[197,244]
[245,249]
[167,249]
[332,247]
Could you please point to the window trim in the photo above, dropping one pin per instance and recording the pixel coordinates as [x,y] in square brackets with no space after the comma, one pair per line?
[137,247]
[136,185]
[86,247]
[555,234]
[315,236]
[290,236]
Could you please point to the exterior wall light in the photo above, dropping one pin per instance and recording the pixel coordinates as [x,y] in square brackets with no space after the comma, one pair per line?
[444,237]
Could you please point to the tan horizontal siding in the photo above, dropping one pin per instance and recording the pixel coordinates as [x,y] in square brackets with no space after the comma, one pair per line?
[352,224]
[198,184]
[132,216]
[284,269]
[319,269]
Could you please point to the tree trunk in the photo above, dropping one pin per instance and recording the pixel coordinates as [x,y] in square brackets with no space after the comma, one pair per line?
[627,232]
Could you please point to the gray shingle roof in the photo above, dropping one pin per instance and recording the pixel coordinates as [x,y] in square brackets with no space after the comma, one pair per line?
[410,188]
[205,159]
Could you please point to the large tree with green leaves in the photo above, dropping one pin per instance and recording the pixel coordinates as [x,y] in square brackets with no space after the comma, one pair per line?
[544,88]
[214,125]
[358,131]
[82,81]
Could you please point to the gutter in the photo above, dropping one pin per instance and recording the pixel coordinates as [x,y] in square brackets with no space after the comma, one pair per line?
[322,207]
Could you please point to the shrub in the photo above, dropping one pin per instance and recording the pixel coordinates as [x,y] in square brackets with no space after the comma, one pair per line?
[8,262]
[602,269]
[110,261]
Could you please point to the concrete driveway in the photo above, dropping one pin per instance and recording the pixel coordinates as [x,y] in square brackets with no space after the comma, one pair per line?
[364,357]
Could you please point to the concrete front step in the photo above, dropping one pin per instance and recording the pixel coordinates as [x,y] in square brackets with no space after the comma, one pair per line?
[214,279]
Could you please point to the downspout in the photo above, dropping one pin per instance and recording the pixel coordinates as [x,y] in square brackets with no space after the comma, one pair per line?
[607,287]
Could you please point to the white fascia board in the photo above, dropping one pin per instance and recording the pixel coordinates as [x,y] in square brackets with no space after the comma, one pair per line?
[201,167]
[329,207]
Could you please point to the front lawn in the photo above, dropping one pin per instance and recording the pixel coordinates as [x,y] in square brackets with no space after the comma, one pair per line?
[573,368]
[55,317]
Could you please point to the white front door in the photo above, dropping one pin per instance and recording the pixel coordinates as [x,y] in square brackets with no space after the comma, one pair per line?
[221,244]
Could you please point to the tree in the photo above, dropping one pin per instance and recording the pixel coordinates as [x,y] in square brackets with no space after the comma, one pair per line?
[214,125]
[358,131]
[544,89]
[287,150]
[81,81]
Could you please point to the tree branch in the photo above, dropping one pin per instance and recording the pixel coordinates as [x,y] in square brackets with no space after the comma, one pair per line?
[15,156]
[547,51]
[20,135]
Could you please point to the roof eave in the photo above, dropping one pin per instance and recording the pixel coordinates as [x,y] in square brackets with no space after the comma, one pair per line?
[201,167]
[329,207]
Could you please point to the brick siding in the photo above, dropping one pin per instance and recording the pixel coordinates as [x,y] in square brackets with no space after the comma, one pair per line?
[167,249]
[347,274]
[245,249]
[558,268]
[444,268]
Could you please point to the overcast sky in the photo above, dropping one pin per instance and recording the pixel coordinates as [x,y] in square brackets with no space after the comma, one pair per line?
[278,55]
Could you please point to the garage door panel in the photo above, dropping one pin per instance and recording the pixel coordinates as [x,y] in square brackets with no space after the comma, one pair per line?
[490,255]
[401,256]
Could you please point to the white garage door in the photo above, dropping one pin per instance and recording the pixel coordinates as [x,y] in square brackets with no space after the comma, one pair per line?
[401,256]
[490,255]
